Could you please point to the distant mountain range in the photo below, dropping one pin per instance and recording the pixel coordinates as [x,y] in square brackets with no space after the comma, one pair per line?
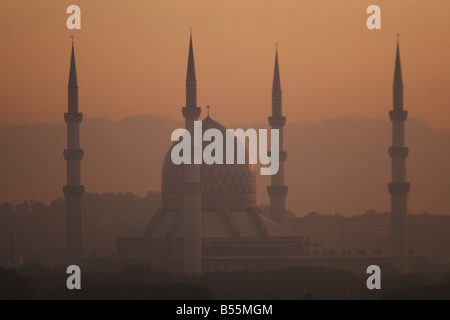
[339,165]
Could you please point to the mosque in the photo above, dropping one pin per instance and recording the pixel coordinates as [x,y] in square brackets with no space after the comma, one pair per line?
[209,219]
[235,235]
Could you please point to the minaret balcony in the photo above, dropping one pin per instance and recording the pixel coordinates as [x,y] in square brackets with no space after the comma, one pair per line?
[398,152]
[73,117]
[398,115]
[74,154]
[73,191]
[277,121]
[191,112]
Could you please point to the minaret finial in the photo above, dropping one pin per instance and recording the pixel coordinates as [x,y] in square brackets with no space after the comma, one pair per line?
[73,37]
[208,111]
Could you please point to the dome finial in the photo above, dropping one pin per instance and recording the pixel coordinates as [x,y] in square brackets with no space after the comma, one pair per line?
[207,107]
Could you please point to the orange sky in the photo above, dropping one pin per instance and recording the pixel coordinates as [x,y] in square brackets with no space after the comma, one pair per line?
[131,58]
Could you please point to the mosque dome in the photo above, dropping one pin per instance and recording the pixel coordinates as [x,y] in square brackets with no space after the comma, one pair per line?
[223,185]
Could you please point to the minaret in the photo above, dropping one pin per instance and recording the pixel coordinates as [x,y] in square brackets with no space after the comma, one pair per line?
[277,190]
[399,187]
[73,190]
[192,186]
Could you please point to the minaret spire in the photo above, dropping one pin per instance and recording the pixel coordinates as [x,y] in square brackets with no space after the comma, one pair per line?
[192,200]
[73,190]
[277,190]
[191,81]
[398,81]
[398,68]
[190,76]
[73,83]
[398,188]
[276,75]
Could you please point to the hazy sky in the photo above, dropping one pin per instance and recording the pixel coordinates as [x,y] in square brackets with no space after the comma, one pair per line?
[131,58]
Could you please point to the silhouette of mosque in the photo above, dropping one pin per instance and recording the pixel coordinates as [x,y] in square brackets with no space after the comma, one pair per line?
[225,230]
[235,234]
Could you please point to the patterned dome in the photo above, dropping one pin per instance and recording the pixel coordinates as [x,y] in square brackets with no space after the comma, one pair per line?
[229,185]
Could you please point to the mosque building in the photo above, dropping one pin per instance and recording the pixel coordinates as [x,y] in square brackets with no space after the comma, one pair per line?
[209,219]
[234,233]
